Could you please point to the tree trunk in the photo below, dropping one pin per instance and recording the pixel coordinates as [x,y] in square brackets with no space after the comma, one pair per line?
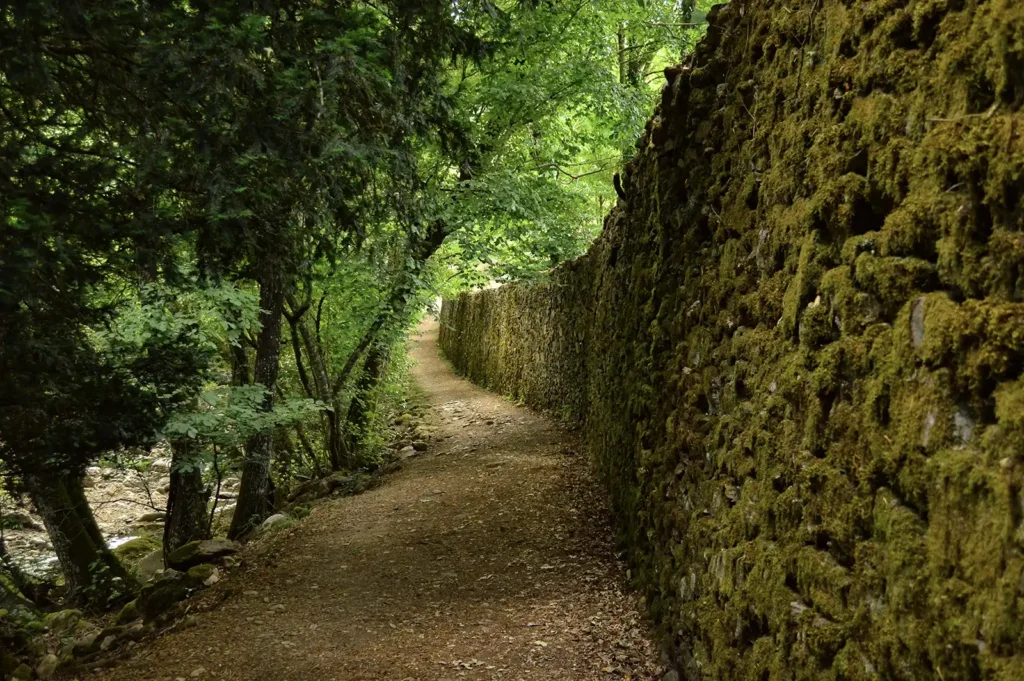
[188,498]
[310,454]
[253,503]
[239,365]
[319,384]
[623,60]
[359,409]
[91,571]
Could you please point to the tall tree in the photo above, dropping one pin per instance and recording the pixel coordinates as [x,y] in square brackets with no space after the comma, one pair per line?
[287,127]
[549,118]
[74,221]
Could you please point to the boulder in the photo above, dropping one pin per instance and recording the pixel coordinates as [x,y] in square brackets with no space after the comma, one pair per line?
[86,644]
[274,520]
[199,552]
[169,588]
[147,568]
[47,667]
[63,622]
[152,517]
[202,575]
[131,553]
[129,613]
[22,673]
[160,595]
[109,636]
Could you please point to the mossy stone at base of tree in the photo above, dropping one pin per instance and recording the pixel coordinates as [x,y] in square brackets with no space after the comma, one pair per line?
[62,621]
[132,552]
[160,595]
[129,613]
[198,552]
[199,575]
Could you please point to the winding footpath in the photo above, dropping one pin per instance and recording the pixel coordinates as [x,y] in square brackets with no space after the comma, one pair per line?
[487,557]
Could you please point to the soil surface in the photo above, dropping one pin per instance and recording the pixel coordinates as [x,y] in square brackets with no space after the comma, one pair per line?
[489,556]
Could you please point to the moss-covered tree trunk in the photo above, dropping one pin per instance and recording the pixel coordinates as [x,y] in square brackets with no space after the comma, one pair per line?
[91,572]
[187,499]
[254,493]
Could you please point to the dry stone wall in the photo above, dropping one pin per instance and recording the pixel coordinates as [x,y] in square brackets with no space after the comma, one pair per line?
[796,351]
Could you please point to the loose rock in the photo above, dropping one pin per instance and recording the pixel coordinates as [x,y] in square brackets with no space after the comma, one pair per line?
[47,667]
[149,566]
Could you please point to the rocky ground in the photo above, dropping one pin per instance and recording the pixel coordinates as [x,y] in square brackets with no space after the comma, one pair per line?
[488,556]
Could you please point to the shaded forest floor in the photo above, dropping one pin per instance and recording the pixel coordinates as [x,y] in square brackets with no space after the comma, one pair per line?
[487,557]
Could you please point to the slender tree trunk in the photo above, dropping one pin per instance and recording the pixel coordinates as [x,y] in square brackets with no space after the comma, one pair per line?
[310,454]
[253,500]
[239,365]
[77,540]
[187,500]
[319,384]
[623,60]
[359,408]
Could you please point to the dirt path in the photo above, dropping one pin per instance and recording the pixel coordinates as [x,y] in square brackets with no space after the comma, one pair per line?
[485,558]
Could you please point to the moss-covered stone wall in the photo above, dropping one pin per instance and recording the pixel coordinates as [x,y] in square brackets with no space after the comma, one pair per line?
[797,349]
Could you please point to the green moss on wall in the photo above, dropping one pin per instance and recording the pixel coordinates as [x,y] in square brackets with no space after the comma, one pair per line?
[797,350]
